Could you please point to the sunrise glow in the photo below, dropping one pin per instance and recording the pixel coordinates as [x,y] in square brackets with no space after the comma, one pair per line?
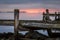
[33,10]
[40,10]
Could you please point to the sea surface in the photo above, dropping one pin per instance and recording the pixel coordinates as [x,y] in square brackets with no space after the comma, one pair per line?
[22,16]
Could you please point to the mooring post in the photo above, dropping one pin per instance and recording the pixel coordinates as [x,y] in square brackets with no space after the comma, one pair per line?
[43,16]
[49,32]
[47,16]
[16,22]
[55,15]
[59,15]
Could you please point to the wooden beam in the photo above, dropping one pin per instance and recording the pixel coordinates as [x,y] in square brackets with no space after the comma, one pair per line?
[49,32]
[53,14]
[38,26]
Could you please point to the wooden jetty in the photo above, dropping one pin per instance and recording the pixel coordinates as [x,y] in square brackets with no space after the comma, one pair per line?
[46,23]
[27,25]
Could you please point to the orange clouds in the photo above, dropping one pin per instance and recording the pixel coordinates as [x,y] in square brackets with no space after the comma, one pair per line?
[33,10]
[40,10]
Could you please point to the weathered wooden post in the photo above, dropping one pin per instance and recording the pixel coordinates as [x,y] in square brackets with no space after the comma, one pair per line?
[59,15]
[47,14]
[55,15]
[43,16]
[49,32]
[16,22]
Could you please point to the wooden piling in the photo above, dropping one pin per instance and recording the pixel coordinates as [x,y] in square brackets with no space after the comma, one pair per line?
[59,15]
[16,22]
[43,16]
[47,16]
[49,32]
[55,15]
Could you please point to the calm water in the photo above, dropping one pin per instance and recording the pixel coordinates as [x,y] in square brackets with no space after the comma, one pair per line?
[22,16]
[11,29]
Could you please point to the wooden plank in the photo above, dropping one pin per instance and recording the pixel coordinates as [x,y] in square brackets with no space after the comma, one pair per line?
[7,22]
[11,22]
[41,26]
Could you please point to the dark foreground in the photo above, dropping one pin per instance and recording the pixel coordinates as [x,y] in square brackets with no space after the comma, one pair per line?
[28,36]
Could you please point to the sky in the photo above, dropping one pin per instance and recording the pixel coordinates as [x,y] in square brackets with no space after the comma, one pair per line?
[30,6]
